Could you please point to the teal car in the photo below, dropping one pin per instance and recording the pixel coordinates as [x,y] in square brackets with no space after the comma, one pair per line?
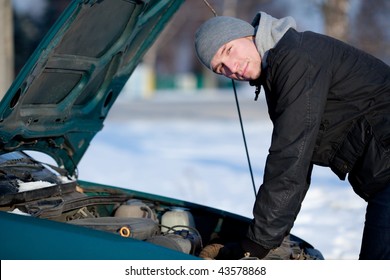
[56,105]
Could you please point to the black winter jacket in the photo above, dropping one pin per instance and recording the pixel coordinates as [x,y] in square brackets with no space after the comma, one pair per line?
[330,106]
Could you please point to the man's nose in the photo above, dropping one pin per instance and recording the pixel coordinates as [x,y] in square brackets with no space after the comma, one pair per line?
[232,66]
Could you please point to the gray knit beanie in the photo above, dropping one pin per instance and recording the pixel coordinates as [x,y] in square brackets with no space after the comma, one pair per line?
[217,31]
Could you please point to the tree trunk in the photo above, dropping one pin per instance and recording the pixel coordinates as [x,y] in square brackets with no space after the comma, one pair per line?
[336,18]
[6,46]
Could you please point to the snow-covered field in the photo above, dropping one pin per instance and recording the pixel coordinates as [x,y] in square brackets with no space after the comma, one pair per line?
[191,148]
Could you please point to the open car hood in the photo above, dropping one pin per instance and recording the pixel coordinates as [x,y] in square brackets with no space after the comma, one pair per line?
[63,94]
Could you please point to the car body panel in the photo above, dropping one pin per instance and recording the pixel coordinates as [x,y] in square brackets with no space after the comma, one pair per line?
[36,238]
[62,96]
[28,238]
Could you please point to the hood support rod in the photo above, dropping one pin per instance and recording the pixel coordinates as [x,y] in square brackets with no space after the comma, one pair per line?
[243,136]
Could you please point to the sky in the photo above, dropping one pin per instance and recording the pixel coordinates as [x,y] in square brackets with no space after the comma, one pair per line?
[202,160]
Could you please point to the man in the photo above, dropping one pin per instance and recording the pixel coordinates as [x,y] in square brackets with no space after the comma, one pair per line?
[330,105]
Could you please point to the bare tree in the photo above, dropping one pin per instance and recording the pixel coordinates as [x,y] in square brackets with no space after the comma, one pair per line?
[365,24]
[336,18]
[6,46]
[371,30]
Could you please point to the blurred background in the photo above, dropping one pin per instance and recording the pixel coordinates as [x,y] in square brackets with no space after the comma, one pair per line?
[171,63]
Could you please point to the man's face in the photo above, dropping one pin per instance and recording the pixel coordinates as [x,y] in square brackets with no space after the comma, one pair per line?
[238,60]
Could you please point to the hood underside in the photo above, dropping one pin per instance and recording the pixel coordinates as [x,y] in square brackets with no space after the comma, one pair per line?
[61,97]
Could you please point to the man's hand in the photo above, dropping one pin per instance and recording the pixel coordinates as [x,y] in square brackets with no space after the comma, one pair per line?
[234,251]
[253,249]
[229,251]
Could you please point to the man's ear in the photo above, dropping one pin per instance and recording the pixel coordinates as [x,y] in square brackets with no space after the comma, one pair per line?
[252,38]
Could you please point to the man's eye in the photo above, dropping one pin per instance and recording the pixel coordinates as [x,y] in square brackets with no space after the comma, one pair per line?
[228,50]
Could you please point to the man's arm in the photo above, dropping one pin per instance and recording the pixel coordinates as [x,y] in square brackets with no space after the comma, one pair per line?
[296,102]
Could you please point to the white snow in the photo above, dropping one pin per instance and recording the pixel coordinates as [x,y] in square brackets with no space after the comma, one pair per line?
[28,186]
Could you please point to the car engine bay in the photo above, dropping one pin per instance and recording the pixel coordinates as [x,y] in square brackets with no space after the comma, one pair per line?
[29,187]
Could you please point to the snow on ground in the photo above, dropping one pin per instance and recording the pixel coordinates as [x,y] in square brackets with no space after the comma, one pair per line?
[202,159]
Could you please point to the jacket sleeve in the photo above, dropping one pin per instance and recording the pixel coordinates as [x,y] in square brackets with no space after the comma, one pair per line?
[296,97]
